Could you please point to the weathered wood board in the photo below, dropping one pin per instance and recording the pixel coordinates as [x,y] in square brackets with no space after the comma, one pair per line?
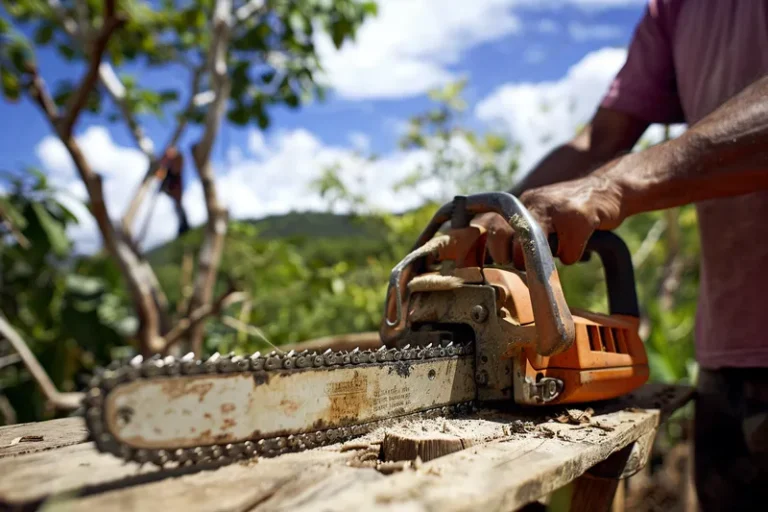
[514,458]
[36,437]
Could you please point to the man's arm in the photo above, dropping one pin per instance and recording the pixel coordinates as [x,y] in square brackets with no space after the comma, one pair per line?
[725,154]
[608,134]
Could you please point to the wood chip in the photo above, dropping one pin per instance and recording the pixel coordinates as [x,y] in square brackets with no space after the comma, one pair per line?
[576,417]
[24,439]
[358,446]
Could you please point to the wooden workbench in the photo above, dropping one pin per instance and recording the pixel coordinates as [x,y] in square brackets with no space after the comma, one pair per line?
[510,460]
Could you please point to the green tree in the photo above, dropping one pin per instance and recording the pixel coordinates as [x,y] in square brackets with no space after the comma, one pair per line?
[69,315]
[243,58]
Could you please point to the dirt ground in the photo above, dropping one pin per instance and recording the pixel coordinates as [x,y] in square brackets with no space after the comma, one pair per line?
[665,486]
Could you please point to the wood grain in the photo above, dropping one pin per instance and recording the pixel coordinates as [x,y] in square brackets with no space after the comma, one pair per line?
[54,433]
[500,475]
[519,456]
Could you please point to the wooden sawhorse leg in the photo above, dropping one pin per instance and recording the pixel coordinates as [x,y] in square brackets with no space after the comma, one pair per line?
[594,491]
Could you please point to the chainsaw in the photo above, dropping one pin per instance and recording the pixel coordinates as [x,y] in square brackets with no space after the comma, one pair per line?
[462,326]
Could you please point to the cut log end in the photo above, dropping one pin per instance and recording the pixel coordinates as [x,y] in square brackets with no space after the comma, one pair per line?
[407,446]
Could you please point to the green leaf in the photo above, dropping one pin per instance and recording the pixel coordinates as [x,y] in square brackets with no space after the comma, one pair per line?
[10,213]
[20,54]
[238,115]
[339,32]
[57,236]
[67,52]
[10,84]
[370,8]
[44,34]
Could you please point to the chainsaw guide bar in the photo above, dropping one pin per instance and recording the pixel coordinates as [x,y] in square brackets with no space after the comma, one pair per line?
[228,408]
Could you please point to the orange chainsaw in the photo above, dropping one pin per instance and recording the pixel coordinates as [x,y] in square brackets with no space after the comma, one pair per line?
[461,327]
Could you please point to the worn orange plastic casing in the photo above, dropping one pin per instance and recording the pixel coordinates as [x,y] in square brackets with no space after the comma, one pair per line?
[607,358]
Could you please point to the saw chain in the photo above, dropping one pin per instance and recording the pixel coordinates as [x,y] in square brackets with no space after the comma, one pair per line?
[263,368]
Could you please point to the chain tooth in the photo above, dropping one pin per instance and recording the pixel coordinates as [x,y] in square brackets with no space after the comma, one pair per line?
[241,363]
[273,362]
[329,358]
[172,366]
[256,361]
[209,366]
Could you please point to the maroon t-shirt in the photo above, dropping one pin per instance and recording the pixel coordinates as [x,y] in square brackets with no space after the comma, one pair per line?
[686,58]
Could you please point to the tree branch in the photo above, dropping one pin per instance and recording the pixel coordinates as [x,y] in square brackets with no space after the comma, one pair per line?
[183,326]
[78,100]
[137,276]
[146,182]
[69,25]
[116,91]
[216,227]
[66,401]
[108,79]
[248,9]
[9,360]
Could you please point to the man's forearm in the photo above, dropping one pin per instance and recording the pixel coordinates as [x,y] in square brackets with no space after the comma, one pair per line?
[564,163]
[609,134]
[725,154]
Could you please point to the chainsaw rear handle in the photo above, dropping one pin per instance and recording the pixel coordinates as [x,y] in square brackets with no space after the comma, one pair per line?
[617,266]
[554,323]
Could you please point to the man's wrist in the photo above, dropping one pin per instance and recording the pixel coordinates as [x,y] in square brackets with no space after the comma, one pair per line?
[656,178]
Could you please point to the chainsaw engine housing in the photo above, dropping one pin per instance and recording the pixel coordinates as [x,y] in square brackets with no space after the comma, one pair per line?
[464,287]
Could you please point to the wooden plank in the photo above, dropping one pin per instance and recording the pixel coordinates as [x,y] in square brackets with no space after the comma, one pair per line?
[35,437]
[300,479]
[501,475]
[297,478]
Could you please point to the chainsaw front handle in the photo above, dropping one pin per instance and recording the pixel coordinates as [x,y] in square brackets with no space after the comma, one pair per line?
[554,323]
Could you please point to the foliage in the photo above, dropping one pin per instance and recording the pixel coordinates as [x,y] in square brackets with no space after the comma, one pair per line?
[272,58]
[462,160]
[69,316]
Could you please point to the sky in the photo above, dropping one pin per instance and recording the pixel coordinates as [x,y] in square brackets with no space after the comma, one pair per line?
[518,55]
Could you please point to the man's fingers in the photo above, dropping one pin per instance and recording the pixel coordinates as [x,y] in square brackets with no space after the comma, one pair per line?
[572,242]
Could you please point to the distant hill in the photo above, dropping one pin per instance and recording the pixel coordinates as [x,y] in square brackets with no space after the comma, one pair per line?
[296,227]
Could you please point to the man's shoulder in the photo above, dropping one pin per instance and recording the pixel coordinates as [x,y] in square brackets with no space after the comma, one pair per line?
[664,13]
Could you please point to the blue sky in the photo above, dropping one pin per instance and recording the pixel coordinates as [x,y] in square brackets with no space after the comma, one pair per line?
[515,53]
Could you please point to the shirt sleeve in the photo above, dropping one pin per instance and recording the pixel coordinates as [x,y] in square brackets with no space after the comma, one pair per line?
[646,86]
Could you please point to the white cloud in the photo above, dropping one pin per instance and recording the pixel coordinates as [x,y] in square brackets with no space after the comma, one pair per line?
[542,115]
[410,45]
[256,143]
[581,32]
[582,4]
[121,169]
[360,141]
[272,178]
[413,45]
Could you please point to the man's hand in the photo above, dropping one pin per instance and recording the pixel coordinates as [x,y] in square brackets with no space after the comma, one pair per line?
[574,210]
[723,155]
